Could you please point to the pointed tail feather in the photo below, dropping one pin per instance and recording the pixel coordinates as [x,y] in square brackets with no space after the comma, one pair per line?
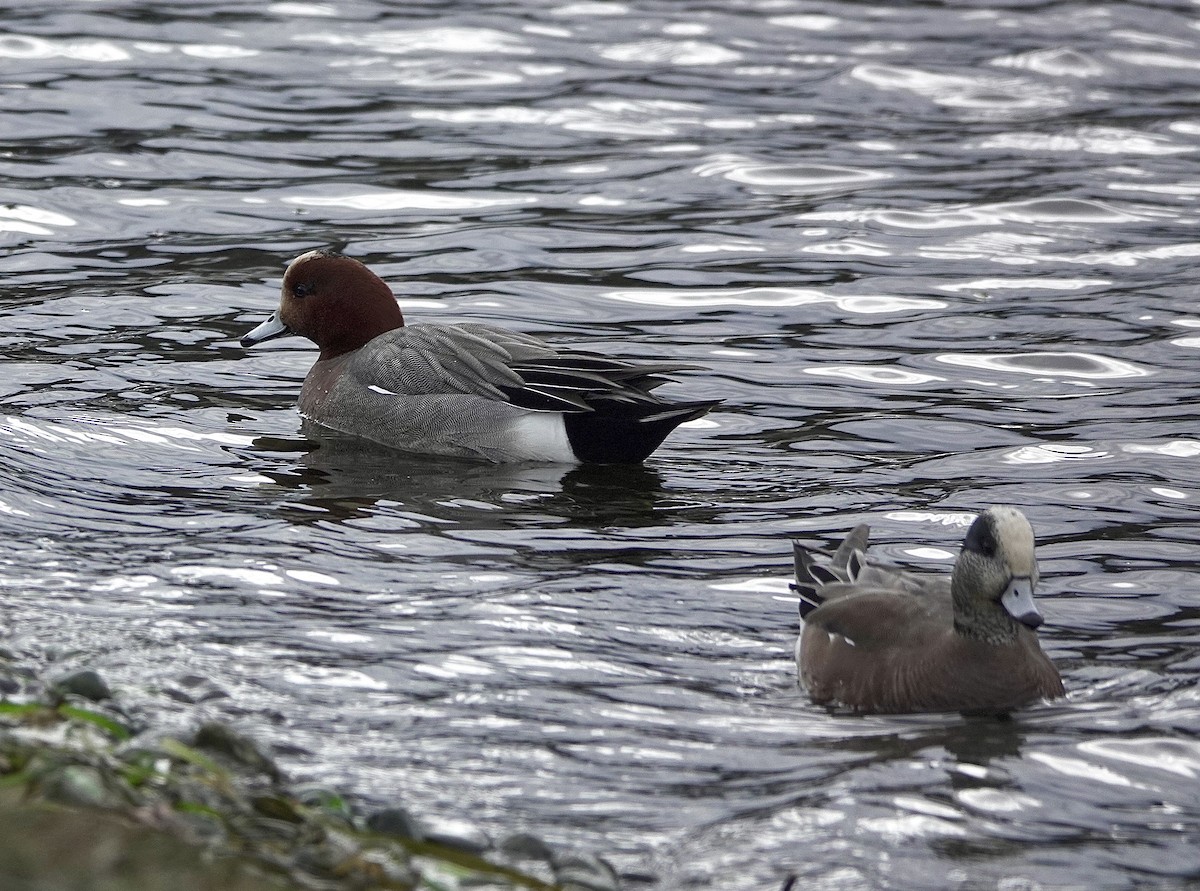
[807,586]
[844,566]
[851,556]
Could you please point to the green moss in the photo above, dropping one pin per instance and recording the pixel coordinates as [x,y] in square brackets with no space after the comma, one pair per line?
[85,805]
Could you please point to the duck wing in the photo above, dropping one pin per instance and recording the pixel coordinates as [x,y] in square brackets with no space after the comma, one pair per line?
[507,366]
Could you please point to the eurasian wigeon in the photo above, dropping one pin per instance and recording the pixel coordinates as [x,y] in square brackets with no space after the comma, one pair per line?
[471,390]
[879,639]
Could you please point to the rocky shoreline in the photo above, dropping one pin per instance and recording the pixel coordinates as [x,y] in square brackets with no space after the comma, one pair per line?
[90,800]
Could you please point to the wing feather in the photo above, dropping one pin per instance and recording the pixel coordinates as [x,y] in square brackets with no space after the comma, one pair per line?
[495,363]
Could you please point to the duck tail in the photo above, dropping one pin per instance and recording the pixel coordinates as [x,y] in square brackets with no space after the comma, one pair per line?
[844,566]
[626,433]
[806,586]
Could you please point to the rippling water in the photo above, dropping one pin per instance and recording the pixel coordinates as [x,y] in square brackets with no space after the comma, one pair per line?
[936,256]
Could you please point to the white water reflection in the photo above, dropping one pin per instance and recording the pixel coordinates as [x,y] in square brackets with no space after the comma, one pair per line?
[1056,62]
[230,575]
[982,93]
[596,8]
[614,116]
[333,677]
[1051,453]
[1180,757]
[456,665]
[1184,191]
[996,801]
[756,586]
[1185,61]
[941,518]
[773,297]
[1044,283]
[217,51]
[409,199]
[738,248]
[1078,767]
[1093,140]
[1036,210]
[669,52]
[460,41]
[101,431]
[27,47]
[1065,364]
[788,177]
[806,22]
[311,10]
[1177,448]
[873,374]
[1133,257]
[31,220]
[849,247]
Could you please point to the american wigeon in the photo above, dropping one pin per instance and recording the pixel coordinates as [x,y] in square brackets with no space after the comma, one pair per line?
[473,390]
[880,639]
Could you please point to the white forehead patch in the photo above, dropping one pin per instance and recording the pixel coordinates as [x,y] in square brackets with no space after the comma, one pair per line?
[1015,537]
[309,255]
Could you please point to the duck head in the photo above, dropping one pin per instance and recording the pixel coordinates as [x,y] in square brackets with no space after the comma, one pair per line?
[995,575]
[333,300]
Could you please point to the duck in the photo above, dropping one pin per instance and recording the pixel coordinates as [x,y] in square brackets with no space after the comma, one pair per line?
[471,390]
[880,639]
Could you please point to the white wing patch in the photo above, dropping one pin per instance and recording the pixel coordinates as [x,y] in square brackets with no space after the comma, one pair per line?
[375,389]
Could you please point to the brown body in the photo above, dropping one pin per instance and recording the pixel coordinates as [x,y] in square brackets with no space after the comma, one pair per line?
[879,639]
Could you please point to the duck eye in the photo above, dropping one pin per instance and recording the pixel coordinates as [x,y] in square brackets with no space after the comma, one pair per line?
[301,290]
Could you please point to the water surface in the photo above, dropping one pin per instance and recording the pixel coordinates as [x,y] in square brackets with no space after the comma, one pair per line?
[934,256]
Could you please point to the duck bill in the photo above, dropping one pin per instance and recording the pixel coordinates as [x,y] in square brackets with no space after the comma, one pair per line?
[1018,602]
[268,330]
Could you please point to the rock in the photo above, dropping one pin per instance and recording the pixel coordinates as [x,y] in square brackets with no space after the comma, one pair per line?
[458,834]
[334,854]
[79,784]
[395,821]
[585,872]
[523,846]
[224,740]
[327,801]
[46,847]
[277,807]
[86,683]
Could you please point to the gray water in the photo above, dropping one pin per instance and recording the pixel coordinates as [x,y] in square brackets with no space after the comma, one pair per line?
[934,256]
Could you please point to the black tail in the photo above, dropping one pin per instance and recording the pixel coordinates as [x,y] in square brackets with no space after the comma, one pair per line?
[627,432]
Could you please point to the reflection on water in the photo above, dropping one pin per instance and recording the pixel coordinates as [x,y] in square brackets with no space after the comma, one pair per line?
[932,258]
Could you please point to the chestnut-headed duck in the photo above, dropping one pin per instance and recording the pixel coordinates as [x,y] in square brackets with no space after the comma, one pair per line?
[880,639]
[470,390]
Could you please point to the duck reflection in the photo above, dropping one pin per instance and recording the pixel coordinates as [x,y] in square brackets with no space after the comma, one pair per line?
[340,478]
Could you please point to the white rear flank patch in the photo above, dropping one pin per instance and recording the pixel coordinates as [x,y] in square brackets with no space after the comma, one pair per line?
[541,436]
